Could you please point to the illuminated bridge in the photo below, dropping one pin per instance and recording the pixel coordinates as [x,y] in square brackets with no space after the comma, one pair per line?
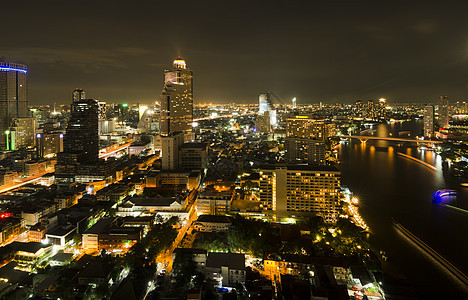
[364,138]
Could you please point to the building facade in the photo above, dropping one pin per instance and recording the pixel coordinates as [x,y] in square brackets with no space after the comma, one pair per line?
[301,189]
[429,121]
[304,150]
[193,156]
[24,131]
[443,112]
[177,99]
[81,140]
[307,128]
[13,97]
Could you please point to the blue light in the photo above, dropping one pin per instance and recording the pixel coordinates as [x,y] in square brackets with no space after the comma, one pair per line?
[13,69]
[444,196]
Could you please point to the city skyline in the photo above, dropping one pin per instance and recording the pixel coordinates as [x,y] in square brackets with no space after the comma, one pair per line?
[329,52]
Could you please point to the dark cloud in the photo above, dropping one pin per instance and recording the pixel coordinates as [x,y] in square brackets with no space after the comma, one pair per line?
[314,50]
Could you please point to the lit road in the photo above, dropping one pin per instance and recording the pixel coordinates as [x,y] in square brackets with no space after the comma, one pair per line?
[113,151]
[25,181]
[225,116]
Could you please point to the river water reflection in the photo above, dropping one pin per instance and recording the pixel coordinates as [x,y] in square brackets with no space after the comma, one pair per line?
[392,186]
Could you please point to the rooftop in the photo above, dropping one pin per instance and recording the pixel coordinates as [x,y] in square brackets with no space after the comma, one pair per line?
[300,167]
[233,261]
[214,219]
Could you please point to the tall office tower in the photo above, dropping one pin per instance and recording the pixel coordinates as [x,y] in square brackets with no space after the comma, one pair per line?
[262,123]
[263,102]
[102,110]
[294,103]
[265,105]
[48,144]
[193,156]
[170,145]
[81,136]
[78,94]
[358,109]
[294,190]
[370,110]
[177,99]
[306,128]
[81,140]
[443,112]
[429,121]
[381,109]
[24,132]
[13,97]
[304,150]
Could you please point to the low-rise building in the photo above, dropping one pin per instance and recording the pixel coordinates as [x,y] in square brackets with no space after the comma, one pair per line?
[31,253]
[139,205]
[213,202]
[60,236]
[33,168]
[212,223]
[10,228]
[114,193]
[226,268]
[37,233]
[198,256]
[112,235]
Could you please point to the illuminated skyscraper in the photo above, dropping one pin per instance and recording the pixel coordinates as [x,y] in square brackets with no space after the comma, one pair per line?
[370,110]
[443,112]
[177,99]
[13,96]
[381,109]
[78,94]
[429,121]
[265,105]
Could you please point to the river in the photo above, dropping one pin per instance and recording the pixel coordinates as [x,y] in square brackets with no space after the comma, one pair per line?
[389,186]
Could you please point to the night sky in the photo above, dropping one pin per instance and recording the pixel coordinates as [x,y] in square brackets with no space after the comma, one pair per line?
[330,51]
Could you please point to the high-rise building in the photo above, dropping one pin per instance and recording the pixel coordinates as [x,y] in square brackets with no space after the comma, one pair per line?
[13,97]
[304,150]
[24,131]
[370,110]
[177,99]
[49,143]
[294,190]
[307,128]
[193,156]
[78,94]
[170,145]
[81,140]
[359,109]
[443,112]
[429,121]
[102,110]
[81,136]
[266,105]
[381,109]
